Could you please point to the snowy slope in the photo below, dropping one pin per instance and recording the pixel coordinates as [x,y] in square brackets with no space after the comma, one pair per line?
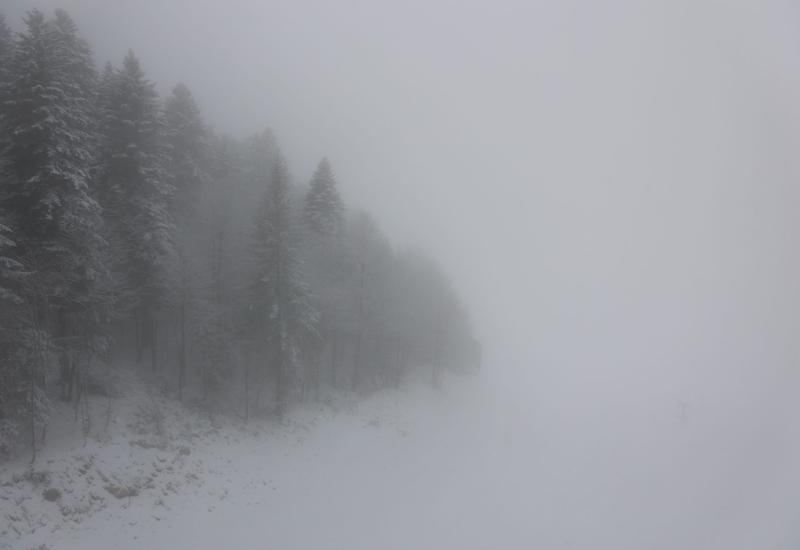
[150,466]
[470,467]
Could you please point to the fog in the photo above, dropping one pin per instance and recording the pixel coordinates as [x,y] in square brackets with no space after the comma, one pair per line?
[612,188]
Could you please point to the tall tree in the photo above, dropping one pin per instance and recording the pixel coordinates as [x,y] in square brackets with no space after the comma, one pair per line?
[323,209]
[6,43]
[188,150]
[6,52]
[372,263]
[326,259]
[279,296]
[188,153]
[6,57]
[12,372]
[9,268]
[137,195]
[47,196]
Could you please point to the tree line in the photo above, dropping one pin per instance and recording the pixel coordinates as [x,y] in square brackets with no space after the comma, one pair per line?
[131,231]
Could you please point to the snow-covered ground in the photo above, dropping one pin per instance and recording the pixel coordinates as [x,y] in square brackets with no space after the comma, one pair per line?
[472,466]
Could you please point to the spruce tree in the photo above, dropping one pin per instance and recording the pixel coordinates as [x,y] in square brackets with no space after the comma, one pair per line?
[9,269]
[324,254]
[279,296]
[188,153]
[6,52]
[7,264]
[323,208]
[137,194]
[188,149]
[47,196]
[6,56]
[6,42]
[11,375]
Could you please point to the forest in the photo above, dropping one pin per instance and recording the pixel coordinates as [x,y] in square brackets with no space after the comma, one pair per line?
[133,234]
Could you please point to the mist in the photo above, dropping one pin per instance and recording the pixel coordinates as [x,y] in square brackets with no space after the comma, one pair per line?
[612,191]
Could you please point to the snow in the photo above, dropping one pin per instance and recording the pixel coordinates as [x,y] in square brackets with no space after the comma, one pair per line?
[130,485]
[467,467]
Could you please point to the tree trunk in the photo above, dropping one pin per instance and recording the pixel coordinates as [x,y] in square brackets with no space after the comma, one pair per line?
[397,358]
[334,357]
[32,399]
[357,363]
[64,360]
[73,378]
[280,382]
[247,386]
[182,360]
[63,363]
[357,358]
[139,324]
[317,374]
[154,342]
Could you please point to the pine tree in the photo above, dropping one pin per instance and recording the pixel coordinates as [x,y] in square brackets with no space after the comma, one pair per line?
[188,153]
[47,196]
[219,274]
[323,209]
[96,304]
[373,263]
[6,51]
[24,347]
[6,56]
[324,254]
[104,191]
[11,374]
[6,43]
[279,296]
[137,194]
[219,220]
[188,150]
[259,153]
[95,175]
[74,60]
[49,155]
[9,269]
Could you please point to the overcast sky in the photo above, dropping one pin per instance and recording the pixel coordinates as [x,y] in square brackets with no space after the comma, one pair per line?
[613,185]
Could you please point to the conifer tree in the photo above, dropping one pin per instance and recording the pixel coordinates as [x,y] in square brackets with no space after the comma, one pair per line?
[6,56]
[279,296]
[6,52]
[47,196]
[188,149]
[6,43]
[186,137]
[9,268]
[107,198]
[326,258]
[7,264]
[10,373]
[323,208]
[137,195]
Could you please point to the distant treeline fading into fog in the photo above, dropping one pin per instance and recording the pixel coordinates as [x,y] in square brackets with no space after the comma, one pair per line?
[131,232]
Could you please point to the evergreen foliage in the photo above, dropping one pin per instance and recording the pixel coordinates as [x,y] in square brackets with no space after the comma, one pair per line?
[323,208]
[128,224]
